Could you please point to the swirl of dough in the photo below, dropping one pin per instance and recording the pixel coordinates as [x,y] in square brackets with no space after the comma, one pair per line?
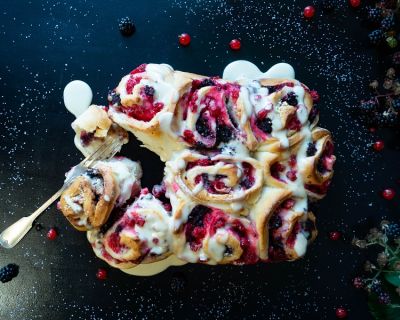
[225,181]
[142,234]
[211,236]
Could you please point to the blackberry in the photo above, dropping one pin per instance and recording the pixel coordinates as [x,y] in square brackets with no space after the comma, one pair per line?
[275,222]
[392,230]
[86,137]
[271,89]
[367,106]
[291,99]
[384,298]
[196,217]
[387,23]
[376,36]
[376,286]
[264,125]
[396,58]
[311,149]
[387,119]
[396,104]
[224,134]
[149,91]
[113,98]
[206,83]
[374,14]
[126,27]
[8,272]
[327,6]
[202,127]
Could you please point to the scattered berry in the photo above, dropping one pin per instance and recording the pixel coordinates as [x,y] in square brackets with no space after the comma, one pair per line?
[8,272]
[335,235]
[388,194]
[367,106]
[235,44]
[355,3]
[376,286]
[396,58]
[358,283]
[309,12]
[383,298]
[386,119]
[38,227]
[396,104]
[101,274]
[387,23]
[52,234]
[378,145]
[372,129]
[341,313]
[392,230]
[126,27]
[376,36]
[184,39]
[374,14]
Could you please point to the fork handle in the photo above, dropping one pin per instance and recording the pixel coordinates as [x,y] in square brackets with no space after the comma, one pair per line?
[14,233]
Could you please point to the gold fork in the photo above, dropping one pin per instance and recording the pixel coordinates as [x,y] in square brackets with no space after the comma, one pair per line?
[14,233]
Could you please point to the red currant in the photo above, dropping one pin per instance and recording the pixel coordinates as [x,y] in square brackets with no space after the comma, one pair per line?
[309,12]
[358,283]
[101,274]
[355,3]
[334,235]
[388,194]
[235,44]
[372,129]
[378,145]
[341,313]
[52,234]
[184,39]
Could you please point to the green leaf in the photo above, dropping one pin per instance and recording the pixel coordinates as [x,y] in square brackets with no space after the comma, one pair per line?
[382,311]
[393,278]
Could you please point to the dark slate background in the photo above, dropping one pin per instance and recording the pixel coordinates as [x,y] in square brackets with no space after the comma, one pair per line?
[46,44]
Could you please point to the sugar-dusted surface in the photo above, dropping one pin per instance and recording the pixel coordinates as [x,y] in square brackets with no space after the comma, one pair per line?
[46,44]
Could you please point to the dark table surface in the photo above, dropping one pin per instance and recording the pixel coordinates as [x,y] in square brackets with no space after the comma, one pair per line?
[46,44]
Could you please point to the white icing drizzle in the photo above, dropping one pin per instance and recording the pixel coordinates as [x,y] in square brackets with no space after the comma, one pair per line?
[127,174]
[77,97]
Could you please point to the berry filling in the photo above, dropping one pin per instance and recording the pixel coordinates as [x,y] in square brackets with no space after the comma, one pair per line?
[276,169]
[203,221]
[311,149]
[293,123]
[277,245]
[327,159]
[318,189]
[139,69]
[145,112]
[86,137]
[291,99]
[215,184]
[215,123]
